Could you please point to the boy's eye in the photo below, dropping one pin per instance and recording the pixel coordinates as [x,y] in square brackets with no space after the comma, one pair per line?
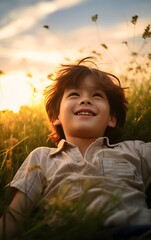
[73,94]
[98,95]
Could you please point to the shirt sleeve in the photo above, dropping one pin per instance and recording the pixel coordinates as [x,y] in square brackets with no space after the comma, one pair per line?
[144,151]
[30,178]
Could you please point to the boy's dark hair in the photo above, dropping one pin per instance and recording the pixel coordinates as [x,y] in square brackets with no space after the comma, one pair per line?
[70,75]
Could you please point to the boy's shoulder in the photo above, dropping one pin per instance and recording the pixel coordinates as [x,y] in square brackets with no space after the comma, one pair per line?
[42,152]
[134,143]
[137,146]
[126,143]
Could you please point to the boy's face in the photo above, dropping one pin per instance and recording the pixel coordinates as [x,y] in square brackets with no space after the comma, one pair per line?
[85,111]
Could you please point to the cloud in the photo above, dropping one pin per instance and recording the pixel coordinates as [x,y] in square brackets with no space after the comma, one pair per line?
[128,30]
[45,49]
[91,37]
[27,17]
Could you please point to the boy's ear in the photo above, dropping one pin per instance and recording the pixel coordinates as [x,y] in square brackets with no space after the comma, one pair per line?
[112,121]
[57,122]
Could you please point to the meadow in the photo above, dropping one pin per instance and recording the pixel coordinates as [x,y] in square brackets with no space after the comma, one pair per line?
[27,129]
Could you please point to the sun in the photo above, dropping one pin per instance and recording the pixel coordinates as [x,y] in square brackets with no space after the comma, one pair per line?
[17,89]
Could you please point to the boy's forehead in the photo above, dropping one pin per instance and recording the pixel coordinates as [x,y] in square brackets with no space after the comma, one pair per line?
[88,82]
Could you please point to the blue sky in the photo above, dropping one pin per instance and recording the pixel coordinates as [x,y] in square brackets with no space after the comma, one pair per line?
[70,28]
[27,47]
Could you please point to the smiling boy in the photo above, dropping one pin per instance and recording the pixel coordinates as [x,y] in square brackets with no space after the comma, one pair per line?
[87,109]
[84,113]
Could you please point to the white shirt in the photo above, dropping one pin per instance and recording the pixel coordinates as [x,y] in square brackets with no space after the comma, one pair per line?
[118,171]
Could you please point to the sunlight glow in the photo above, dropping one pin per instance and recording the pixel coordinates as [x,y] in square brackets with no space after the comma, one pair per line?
[17,89]
[53,57]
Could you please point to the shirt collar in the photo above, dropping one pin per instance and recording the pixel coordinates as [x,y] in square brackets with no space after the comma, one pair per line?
[63,144]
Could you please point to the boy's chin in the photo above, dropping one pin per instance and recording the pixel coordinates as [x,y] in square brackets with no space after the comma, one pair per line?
[86,134]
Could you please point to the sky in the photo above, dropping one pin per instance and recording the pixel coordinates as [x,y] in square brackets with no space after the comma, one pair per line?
[36,36]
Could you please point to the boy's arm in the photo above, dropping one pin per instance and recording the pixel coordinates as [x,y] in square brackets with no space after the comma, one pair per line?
[15,215]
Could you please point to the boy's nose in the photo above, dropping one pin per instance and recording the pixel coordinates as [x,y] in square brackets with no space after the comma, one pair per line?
[85,101]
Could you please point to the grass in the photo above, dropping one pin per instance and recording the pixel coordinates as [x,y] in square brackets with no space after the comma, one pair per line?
[20,133]
[68,218]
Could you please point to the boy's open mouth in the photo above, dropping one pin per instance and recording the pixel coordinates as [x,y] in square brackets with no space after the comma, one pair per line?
[85,112]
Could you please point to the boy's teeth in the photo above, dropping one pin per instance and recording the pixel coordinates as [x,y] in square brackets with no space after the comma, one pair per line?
[85,113]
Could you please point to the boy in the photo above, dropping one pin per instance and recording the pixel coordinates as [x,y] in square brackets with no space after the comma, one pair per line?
[87,110]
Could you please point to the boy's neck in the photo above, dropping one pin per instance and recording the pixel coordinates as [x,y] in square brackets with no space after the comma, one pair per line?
[81,143]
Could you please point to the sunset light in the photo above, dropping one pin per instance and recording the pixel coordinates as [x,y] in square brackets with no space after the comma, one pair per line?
[17,89]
